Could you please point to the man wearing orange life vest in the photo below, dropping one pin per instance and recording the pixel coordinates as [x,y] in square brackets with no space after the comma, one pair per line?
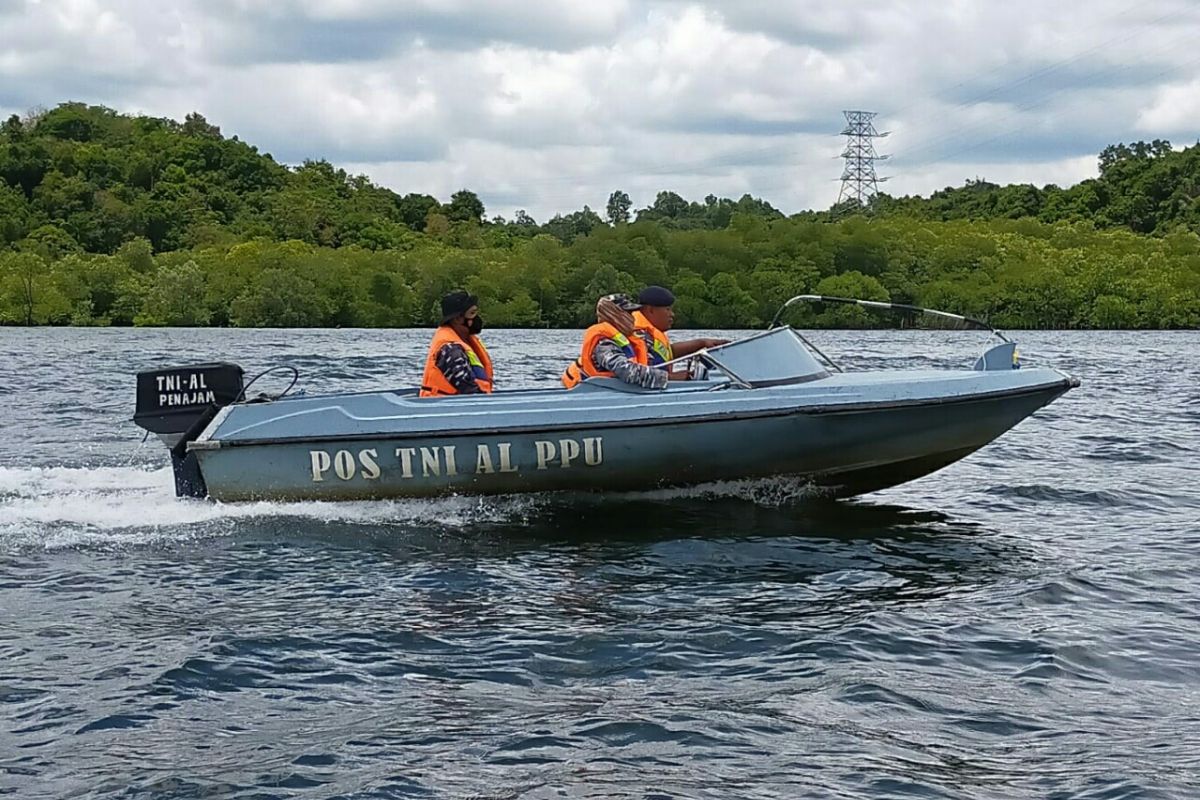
[652,321]
[457,363]
[610,349]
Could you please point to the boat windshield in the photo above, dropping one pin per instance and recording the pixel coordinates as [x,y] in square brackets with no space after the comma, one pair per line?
[776,357]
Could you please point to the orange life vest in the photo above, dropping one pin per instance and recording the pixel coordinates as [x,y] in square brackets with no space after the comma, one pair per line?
[658,346]
[434,383]
[583,367]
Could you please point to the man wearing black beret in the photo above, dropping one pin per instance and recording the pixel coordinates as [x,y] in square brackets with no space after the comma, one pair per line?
[653,320]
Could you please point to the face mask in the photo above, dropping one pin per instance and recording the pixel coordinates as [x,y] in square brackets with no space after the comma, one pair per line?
[474,326]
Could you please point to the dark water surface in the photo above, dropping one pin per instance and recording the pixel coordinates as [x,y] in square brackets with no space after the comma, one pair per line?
[1023,624]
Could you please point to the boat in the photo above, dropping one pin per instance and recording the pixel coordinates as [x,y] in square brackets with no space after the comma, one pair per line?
[770,404]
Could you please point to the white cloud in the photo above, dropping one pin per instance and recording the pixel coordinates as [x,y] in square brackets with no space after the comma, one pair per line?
[550,104]
[1175,107]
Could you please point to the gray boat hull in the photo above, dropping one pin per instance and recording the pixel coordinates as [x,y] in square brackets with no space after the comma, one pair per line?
[846,448]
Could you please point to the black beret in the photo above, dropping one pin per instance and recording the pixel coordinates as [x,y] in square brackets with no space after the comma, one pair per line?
[656,296]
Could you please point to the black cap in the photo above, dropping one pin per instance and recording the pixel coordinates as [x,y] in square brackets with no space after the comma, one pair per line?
[623,302]
[656,296]
[456,304]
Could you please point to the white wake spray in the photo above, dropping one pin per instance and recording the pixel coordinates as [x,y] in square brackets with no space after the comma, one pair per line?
[59,507]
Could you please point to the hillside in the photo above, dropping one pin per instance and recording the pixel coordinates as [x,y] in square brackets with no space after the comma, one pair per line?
[1146,188]
[113,219]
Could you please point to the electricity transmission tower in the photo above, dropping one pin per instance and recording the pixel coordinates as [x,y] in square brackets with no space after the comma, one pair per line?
[859,181]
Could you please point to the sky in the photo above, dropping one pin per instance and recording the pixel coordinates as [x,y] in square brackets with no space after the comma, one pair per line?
[548,105]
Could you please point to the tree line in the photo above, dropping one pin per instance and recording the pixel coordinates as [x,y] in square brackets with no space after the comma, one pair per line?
[110,219]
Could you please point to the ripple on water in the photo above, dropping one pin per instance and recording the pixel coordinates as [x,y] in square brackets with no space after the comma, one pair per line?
[1022,624]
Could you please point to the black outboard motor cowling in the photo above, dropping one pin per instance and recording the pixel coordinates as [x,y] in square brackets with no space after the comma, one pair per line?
[177,403]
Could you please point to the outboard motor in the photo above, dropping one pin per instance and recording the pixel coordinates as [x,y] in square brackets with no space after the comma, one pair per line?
[177,403]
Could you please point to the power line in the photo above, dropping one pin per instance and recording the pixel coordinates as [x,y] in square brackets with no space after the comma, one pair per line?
[1033,89]
[1005,134]
[957,134]
[744,156]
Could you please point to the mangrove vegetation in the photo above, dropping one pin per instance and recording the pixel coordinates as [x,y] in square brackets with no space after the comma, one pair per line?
[111,219]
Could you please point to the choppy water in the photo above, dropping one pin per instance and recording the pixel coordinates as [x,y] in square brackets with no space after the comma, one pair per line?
[1023,624]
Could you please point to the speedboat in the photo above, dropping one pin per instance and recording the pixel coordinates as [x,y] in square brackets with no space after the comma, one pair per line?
[769,404]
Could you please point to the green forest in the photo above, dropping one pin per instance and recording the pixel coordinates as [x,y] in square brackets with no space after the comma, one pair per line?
[112,219]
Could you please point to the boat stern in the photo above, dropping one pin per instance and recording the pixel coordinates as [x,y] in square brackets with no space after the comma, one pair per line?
[178,404]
